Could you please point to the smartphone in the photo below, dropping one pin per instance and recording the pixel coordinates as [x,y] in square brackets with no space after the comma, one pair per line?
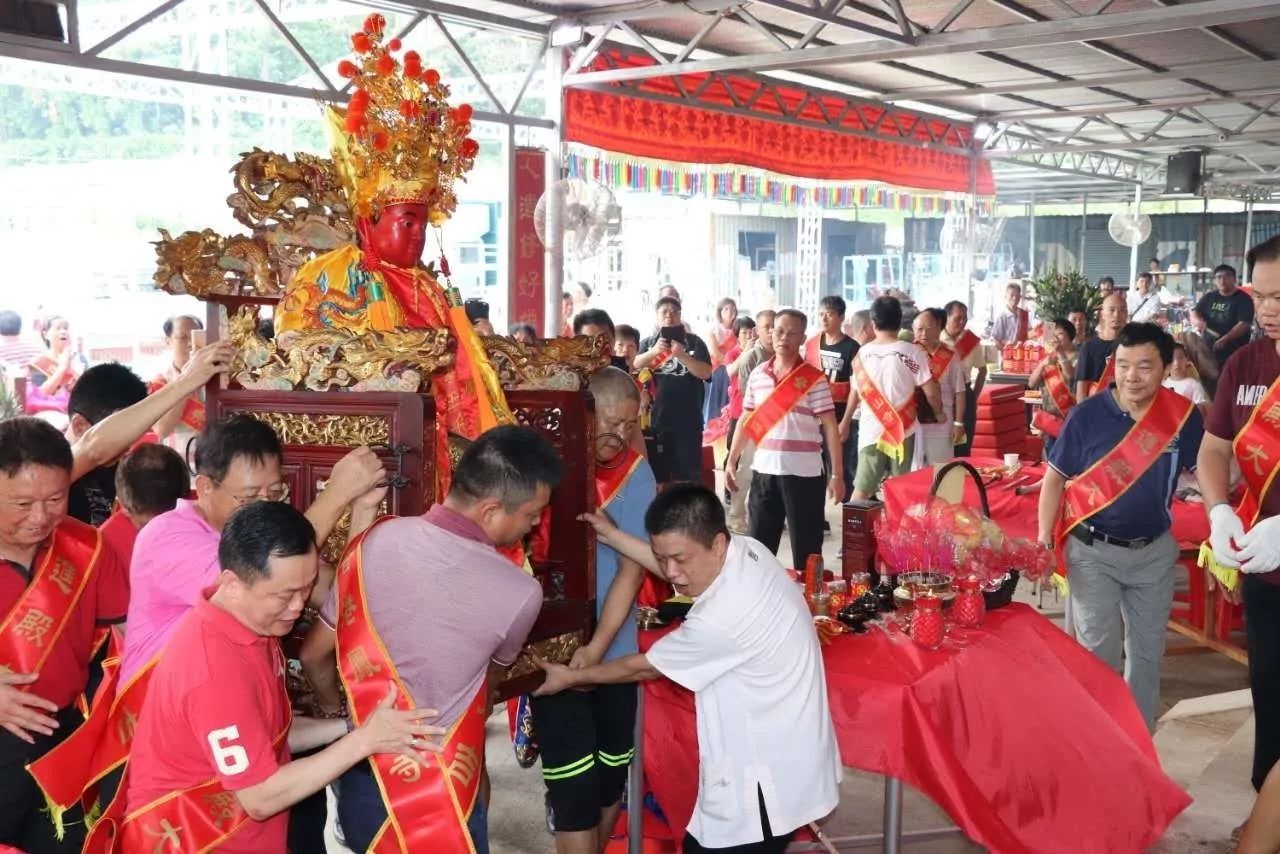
[672,333]
[620,363]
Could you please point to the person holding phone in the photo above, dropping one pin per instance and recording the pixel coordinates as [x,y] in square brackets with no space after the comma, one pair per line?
[681,366]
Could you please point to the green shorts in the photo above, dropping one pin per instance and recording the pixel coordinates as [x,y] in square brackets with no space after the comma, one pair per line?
[874,465]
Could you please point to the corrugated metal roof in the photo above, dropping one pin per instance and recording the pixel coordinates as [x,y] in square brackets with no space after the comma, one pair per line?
[1118,71]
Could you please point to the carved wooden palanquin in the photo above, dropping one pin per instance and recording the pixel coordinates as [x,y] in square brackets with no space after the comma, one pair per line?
[326,392]
[318,428]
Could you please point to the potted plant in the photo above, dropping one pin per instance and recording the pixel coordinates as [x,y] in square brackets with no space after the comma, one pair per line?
[1057,294]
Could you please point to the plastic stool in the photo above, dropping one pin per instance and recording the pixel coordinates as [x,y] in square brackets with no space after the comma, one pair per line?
[1189,607]
[1227,618]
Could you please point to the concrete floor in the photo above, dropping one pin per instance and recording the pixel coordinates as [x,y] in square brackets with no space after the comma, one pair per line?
[1205,745]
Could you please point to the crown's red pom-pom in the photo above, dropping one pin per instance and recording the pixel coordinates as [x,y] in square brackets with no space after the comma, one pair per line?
[385,65]
[470,148]
[431,77]
[394,44]
[463,113]
[360,42]
[348,69]
[379,141]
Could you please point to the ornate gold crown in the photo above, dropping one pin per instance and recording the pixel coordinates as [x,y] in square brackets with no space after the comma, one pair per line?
[398,140]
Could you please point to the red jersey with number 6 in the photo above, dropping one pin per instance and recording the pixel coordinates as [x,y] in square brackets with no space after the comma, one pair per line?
[214,706]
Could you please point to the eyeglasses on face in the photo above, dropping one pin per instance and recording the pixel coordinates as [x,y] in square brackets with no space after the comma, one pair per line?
[274,492]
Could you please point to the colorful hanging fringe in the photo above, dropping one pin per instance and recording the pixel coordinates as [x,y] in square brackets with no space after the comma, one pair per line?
[622,171]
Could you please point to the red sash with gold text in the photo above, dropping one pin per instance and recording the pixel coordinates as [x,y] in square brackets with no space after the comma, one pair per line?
[610,480]
[660,360]
[1104,381]
[787,393]
[1257,450]
[72,770]
[192,821]
[1057,388]
[965,344]
[428,800]
[940,360]
[1102,484]
[31,629]
[896,422]
[193,411]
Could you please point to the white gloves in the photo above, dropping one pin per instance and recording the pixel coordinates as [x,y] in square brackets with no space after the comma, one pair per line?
[1260,548]
[1224,528]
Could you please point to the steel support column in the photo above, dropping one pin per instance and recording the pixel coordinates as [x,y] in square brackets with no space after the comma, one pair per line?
[1133,250]
[1031,236]
[1084,226]
[1248,235]
[555,60]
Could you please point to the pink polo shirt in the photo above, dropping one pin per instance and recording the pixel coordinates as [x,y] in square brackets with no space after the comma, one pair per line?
[174,558]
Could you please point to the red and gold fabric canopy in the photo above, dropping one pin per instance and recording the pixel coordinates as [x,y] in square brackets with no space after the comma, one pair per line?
[908,155]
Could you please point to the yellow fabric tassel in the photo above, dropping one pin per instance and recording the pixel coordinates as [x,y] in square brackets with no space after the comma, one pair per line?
[894,452]
[92,814]
[1060,584]
[56,815]
[1228,577]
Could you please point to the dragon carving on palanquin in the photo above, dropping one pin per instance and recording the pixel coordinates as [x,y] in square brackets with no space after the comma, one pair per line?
[561,364]
[296,210]
[328,359]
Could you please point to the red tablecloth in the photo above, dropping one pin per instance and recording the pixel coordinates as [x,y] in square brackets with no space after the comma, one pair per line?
[1026,740]
[1016,514]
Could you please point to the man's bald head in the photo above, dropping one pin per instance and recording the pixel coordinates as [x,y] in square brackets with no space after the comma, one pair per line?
[611,385]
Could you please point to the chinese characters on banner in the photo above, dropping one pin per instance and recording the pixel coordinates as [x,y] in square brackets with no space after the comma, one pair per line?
[528,275]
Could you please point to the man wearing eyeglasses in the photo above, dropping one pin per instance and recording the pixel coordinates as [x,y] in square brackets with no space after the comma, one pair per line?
[176,556]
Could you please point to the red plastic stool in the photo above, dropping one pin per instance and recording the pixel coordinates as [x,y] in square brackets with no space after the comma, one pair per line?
[1227,617]
[1189,607]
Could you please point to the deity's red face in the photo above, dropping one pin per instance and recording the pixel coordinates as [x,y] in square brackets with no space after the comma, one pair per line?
[400,234]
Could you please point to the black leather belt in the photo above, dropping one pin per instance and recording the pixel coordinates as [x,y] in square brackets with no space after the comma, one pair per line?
[1089,536]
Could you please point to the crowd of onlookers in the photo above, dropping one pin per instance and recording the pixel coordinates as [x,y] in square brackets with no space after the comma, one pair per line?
[1206,331]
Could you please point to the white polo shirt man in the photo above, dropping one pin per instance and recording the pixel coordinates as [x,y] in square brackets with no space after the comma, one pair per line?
[748,652]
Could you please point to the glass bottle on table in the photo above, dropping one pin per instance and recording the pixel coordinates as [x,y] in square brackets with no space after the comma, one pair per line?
[884,590]
[969,607]
[927,628]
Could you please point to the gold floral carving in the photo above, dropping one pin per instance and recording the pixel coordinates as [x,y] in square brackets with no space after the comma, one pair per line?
[296,210]
[342,431]
[560,364]
[326,359]
[558,649]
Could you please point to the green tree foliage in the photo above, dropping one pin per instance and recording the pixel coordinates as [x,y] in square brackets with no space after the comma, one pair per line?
[51,126]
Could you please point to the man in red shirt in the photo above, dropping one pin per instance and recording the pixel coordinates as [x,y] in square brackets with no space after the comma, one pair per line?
[57,585]
[149,481]
[1245,412]
[217,709]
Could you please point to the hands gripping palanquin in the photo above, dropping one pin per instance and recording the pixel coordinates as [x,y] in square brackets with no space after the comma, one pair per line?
[326,391]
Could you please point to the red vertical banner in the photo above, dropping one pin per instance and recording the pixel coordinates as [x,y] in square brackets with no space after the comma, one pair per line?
[526,300]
